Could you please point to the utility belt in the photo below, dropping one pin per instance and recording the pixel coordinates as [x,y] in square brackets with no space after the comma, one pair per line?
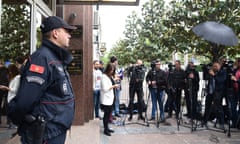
[34,128]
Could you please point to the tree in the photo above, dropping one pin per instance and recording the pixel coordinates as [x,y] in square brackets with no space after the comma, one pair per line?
[15,31]
[122,52]
[126,49]
[152,30]
[166,29]
[185,14]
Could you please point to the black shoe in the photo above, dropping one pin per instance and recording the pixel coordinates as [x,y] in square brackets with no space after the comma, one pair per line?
[107,133]
[187,115]
[152,118]
[222,127]
[233,126]
[117,115]
[130,118]
[110,130]
[169,116]
[162,121]
[140,117]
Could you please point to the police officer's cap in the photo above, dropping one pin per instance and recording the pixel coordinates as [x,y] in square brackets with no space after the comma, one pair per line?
[54,22]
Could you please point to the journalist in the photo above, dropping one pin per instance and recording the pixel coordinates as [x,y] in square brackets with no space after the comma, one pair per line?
[170,103]
[177,83]
[235,100]
[157,83]
[136,86]
[191,90]
[216,87]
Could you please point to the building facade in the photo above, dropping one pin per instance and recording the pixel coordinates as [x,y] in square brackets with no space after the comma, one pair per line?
[32,12]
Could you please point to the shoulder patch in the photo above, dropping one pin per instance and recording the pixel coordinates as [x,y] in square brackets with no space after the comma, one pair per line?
[36,68]
[35,79]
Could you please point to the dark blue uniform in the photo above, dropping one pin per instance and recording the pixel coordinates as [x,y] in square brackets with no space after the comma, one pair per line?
[46,91]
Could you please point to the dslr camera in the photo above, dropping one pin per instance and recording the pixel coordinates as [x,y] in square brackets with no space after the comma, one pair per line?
[228,66]
[153,64]
[205,70]
[139,68]
[170,66]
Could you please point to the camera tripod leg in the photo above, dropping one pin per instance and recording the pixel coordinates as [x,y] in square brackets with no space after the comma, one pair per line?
[146,118]
[178,123]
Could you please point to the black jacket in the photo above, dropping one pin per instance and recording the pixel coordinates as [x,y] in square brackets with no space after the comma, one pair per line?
[137,76]
[177,78]
[195,80]
[46,90]
[159,76]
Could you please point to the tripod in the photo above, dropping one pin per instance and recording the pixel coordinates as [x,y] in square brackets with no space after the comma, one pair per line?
[140,104]
[194,110]
[195,107]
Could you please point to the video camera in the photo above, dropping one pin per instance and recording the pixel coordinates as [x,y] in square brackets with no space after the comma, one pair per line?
[228,66]
[170,66]
[139,68]
[153,65]
[205,70]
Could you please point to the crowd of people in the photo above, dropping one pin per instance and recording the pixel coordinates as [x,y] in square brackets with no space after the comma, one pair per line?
[45,115]
[168,89]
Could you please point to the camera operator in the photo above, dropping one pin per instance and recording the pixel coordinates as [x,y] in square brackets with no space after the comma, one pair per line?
[156,80]
[216,87]
[136,86]
[191,90]
[170,104]
[234,86]
[177,84]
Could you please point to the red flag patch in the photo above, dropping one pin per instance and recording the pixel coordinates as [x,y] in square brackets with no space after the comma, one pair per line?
[36,68]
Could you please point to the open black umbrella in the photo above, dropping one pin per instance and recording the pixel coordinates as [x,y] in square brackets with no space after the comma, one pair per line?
[216,33]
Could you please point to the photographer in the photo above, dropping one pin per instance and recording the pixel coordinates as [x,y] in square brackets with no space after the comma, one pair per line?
[232,90]
[170,104]
[156,80]
[216,87]
[136,86]
[177,83]
[191,90]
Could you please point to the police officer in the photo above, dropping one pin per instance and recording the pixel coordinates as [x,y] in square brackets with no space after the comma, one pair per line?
[156,80]
[44,105]
[136,86]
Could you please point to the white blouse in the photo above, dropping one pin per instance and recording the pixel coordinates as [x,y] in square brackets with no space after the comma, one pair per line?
[107,95]
[13,86]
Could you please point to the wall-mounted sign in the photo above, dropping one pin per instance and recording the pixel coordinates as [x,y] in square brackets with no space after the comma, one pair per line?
[100,2]
[75,67]
[77,32]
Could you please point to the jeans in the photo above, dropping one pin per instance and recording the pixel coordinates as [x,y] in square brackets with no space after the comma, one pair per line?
[96,98]
[157,96]
[117,101]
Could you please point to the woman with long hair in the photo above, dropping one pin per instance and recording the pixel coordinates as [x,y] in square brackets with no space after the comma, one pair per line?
[107,96]
[14,82]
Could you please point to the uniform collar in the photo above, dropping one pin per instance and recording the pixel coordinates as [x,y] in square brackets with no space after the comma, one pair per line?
[64,55]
